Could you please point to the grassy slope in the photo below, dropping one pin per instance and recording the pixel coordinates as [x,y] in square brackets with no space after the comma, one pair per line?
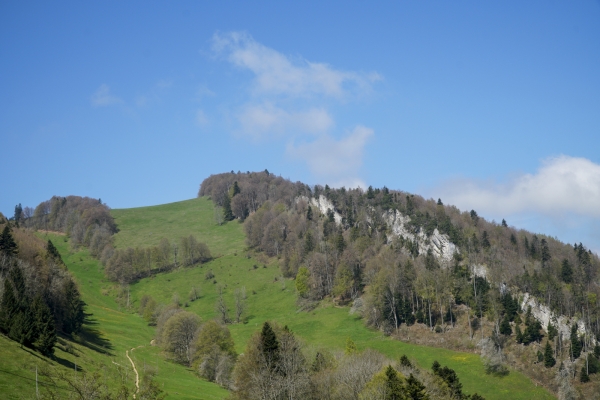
[327,326]
[111,332]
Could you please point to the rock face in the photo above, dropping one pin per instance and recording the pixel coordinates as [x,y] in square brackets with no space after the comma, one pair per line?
[543,314]
[441,246]
[323,204]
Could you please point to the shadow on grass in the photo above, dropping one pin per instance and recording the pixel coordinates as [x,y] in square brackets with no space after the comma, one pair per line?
[68,364]
[92,338]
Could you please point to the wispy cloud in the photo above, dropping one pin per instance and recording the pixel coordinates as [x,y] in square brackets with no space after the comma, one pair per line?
[289,98]
[561,185]
[276,73]
[102,97]
[258,120]
[201,119]
[332,161]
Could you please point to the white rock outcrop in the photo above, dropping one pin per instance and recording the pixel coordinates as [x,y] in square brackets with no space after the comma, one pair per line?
[322,204]
[543,314]
[440,244]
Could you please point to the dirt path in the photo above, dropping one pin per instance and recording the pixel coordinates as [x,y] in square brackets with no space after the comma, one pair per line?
[137,376]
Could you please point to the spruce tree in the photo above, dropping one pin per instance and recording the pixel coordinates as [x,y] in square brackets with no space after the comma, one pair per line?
[9,307]
[227,213]
[505,328]
[393,384]
[269,346]
[584,377]
[309,213]
[575,343]
[549,359]
[8,246]
[415,390]
[46,331]
[566,272]
[53,253]
[74,315]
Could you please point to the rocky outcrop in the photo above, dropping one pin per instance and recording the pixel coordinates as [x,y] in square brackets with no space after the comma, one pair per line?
[323,205]
[543,314]
[441,246]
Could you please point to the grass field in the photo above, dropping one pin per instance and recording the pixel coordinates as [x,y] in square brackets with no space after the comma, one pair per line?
[270,298]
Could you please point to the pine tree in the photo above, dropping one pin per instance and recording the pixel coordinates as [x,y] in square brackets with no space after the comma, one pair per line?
[309,244]
[549,359]
[74,315]
[340,244]
[575,343]
[53,253]
[370,193]
[504,224]
[309,213]
[485,241]
[566,272]
[415,390]
[546,256]
[505,328]
[9,307]
[584,377]
[227,213]
[518,334]
[235,189]
[393,384]
[269,346]
[18,214]
[46,331]
[8,245]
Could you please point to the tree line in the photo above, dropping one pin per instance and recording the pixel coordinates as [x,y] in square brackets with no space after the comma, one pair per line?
[39,298]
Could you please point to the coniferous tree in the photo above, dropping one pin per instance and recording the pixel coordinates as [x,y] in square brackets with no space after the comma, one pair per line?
[9,306]
[485,241]
[584,377]
[18,214]
[505,328]
[546,256]
[549,359]
[415,390]
[227,213]
[45,328]
[575,343]
[269,346]
[504,224]
[370,193]
[53,253]
[8,245]
[74,315]
[566,272]
[393,384]
[309,213]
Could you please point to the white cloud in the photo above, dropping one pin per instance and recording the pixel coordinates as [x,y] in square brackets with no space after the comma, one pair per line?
[201,119]
[336,162]
[278,74]
[102,97]
[562,185]
[262,119]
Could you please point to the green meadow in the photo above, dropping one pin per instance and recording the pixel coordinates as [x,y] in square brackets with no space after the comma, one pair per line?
[114,327]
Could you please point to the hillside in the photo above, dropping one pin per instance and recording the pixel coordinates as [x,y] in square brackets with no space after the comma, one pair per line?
[303,256]
[273,298]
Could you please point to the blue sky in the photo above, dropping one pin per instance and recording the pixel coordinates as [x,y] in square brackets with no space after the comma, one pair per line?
[491,106]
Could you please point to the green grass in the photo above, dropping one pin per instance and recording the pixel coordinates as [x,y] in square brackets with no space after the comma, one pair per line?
[327,326]
[112,331]
[146,226]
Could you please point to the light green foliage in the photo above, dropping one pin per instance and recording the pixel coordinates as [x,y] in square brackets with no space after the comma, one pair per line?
[302,279]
